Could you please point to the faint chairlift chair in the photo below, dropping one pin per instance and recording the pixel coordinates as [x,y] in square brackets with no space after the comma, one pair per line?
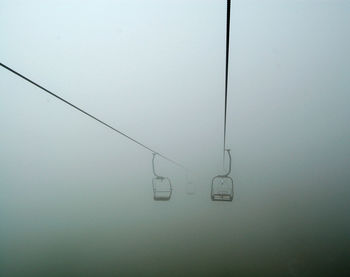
[222,185]
[161,185]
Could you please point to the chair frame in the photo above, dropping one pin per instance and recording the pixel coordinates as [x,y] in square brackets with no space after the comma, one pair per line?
[161,178]
[223,196]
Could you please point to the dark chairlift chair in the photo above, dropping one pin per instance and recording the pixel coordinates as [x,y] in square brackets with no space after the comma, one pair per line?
[161,185]
[222,185]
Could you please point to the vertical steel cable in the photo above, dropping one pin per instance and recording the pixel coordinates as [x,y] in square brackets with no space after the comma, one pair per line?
[226,73]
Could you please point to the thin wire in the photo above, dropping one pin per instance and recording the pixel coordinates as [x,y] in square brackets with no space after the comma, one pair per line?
[226,73]
[90,115]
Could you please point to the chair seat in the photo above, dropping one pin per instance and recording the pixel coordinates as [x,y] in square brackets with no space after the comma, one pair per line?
[221,197]
[222,188]
[161,197]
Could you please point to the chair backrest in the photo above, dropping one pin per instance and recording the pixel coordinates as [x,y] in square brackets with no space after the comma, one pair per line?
[222,188]
[162,188]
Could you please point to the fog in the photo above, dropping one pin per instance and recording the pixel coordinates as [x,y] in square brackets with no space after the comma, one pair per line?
[76,198]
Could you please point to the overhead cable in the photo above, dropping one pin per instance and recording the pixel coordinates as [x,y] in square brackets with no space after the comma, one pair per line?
[90,115]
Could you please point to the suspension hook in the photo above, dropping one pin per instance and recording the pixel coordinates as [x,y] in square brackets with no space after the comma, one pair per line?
[229,165]
[154,171]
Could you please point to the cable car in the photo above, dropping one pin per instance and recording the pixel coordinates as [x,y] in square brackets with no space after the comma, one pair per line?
[222,185]
[190,186]
[162,188]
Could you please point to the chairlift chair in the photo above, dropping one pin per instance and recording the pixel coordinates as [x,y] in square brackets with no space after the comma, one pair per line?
[190,186]
[222,185]
[162,188]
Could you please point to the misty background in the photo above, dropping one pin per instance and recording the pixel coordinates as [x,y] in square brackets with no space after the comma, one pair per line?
[76,198]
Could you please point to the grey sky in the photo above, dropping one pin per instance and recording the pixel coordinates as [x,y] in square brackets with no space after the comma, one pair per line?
[155,70]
